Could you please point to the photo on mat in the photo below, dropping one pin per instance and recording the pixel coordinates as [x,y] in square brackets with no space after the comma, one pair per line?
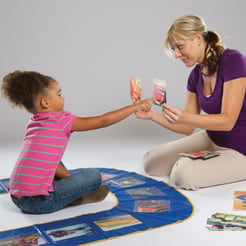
[139,193]
[152,206]
[2,188]
[116,222]
[126,182]
[68,232]
[4,184]
[23,240]
[106,176]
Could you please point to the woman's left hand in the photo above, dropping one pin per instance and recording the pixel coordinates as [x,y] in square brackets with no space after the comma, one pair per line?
[172,114]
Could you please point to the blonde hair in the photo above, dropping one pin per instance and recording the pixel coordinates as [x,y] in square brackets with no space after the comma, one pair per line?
[185,27]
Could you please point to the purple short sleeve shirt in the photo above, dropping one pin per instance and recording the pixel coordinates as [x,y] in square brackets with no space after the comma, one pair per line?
[232,66]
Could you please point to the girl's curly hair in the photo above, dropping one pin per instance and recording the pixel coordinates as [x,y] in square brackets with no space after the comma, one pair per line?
[21,88]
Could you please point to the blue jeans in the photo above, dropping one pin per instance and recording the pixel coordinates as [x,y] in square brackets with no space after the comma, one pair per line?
[65,191]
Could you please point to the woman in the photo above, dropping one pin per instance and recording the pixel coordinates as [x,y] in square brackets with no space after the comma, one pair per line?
[216,86]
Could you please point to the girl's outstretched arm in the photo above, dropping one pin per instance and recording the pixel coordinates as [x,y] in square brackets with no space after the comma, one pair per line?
[110,118]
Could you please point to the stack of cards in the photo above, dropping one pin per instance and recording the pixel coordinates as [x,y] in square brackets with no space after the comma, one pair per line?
[226,222]
[200,155]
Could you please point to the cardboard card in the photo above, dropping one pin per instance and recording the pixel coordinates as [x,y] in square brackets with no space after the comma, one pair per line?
[159,93]
[201,155]
[239,200]
[135,89]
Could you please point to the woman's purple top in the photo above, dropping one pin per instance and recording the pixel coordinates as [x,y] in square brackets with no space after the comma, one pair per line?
[232,66]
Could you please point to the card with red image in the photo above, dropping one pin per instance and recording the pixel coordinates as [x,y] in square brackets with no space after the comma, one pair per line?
[135,89]
[159,92]
[200,155]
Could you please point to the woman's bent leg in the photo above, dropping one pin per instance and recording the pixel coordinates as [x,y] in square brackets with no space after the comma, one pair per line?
[229,167]
[160,160]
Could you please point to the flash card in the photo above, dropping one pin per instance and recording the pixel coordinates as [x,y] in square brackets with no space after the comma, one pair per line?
[159,93]
[135,89]
[201,155]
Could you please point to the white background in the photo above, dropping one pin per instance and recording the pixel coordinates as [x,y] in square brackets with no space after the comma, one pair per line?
[92,47]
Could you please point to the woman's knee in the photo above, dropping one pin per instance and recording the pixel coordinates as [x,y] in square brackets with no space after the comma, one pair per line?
[159,161]
[183,174]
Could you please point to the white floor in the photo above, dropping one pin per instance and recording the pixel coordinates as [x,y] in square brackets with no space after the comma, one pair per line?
[127,155]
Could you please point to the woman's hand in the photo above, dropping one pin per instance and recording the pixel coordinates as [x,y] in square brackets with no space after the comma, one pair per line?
[169,118]
[172,114]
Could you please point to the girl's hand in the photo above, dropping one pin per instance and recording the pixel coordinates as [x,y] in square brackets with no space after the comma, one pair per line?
[144,105]
[172,114]
[145,115]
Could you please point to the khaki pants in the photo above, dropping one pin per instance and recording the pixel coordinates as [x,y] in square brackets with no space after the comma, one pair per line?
[187,173]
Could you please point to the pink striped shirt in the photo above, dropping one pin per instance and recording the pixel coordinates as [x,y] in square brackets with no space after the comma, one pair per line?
[44,145]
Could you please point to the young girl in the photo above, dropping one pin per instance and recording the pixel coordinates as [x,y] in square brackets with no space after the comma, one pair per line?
[40,183]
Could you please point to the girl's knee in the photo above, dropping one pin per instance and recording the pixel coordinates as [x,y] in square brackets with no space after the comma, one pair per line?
[90,176]
[94,174]
[90,172]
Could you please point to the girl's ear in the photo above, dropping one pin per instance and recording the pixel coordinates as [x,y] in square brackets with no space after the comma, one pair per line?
[44,103]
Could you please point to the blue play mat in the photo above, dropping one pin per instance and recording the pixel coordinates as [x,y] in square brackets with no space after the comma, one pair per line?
[142,204]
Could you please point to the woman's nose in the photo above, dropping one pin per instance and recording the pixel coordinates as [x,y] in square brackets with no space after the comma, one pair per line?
[177,53]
